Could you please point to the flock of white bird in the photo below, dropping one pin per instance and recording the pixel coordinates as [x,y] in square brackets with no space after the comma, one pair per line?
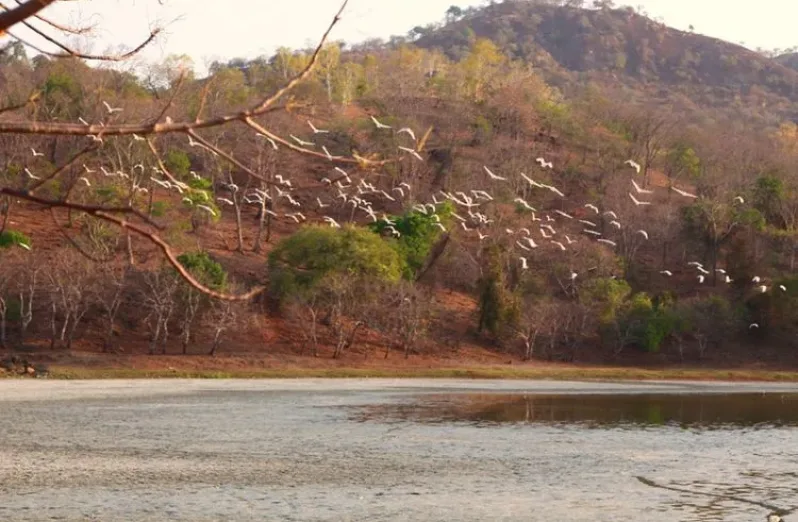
[362,195]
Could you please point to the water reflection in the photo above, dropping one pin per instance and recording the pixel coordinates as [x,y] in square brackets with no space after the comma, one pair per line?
[686,410]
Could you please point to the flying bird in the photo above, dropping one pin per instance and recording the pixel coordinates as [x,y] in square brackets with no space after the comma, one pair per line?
[274,145]
[225,201]
[110,109]
[492,175]
[641,190]
[592,207]
[740,199]
[700,278]
[136,137]
[524,203]
[543,163]
[333,223]
[524,264]
[207,209]
[36,153]
[413,152]
[563,214]
[315,130]
[607,241]
[378,124]
[638,203]
[408,131]
[30,174]
[683,193]
[562,247]
[642,233]
[666,272]
[302,142]
[635,165]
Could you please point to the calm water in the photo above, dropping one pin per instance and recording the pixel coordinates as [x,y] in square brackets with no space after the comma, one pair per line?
[396,450]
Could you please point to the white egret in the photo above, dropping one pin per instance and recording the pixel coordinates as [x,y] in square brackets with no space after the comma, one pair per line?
[641,190]
[408,131]
[492,175]
[638,203]
[110,109]
[635,165]
[413,152]
[301,142]
[683,193]
[315,130]
[378,124]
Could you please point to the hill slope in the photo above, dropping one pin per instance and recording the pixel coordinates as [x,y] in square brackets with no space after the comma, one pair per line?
[622,51]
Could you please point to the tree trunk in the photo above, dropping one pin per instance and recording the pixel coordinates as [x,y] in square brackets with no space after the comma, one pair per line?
[155,335]
[239,226]
[3,311]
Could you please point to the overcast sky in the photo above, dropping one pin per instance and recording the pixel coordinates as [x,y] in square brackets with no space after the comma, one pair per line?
[208,29]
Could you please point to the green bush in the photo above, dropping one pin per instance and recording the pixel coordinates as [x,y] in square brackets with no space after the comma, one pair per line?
[419,233]
[301,260]
[11,238]
[204,269]
[177,162]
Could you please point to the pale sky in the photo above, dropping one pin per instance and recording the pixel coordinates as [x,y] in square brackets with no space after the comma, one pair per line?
[208,29]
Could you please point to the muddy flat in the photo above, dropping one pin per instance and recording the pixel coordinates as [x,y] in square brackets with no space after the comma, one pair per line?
[394,449]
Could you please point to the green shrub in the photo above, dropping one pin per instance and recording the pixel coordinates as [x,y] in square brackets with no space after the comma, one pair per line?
[204,269]
[11,238]
[301,260]
[418,234]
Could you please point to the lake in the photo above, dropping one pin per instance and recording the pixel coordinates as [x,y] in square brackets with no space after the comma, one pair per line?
[385,449]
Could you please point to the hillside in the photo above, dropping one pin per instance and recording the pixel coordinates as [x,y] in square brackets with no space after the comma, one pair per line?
[630,55]
[401,206]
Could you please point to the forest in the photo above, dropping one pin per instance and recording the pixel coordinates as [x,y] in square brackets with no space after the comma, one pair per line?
[397,198]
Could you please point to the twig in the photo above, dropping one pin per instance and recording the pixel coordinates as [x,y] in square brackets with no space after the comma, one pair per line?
[175,91]
[203,98]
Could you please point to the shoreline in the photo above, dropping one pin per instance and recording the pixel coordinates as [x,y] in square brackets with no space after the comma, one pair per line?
[587,373]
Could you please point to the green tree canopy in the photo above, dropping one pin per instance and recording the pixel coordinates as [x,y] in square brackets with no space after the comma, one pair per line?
[304,258]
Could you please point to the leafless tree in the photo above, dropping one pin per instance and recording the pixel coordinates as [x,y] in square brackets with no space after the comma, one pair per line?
[69,281]
[158,296]
[223,317]
[109,290]
[305,307]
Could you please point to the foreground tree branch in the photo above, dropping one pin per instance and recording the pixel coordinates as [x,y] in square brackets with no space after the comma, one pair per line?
[11,17]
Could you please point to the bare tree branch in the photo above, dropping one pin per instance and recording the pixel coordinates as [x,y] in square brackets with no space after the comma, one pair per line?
[24,11]
[176,264]
[92,210]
